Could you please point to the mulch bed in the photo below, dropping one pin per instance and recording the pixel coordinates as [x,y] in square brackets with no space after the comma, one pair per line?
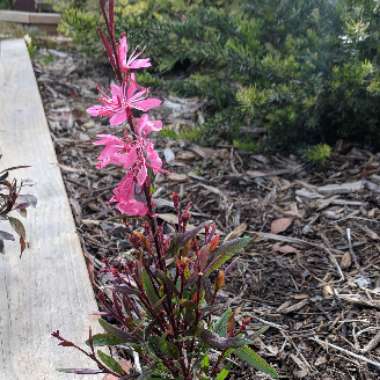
[312,273]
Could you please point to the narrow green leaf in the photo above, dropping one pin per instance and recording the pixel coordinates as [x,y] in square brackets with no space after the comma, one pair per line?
[113,330]
[110,362]
[253,359]
[222,375]
[221,325]
[164,346]
[17,226]
[226,252]
[205,363]
[106,340]
[179,240]
[149,288]
[80,371]
[154,344]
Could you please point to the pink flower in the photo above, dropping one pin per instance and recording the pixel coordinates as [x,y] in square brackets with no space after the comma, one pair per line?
[117,151]
[134,155]
[125,194]
[133,62]
[144,126]
[117,107]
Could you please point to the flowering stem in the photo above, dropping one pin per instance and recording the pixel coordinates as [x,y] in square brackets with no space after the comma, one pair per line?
[148,196]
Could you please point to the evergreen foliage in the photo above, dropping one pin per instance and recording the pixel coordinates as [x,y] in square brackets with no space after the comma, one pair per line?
[305,70]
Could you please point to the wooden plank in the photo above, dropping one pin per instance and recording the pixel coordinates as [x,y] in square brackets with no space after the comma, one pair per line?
[14,16]
[44,18]
[30,17]
[49,287]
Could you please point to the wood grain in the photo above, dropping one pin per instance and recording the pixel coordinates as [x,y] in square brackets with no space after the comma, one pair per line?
[30,17]
[49,287]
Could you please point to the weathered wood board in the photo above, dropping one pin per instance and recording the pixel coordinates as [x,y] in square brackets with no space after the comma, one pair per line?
[30,17]
[49,287]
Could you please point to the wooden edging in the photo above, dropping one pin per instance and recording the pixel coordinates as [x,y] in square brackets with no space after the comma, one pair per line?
[49,288]
[30,17]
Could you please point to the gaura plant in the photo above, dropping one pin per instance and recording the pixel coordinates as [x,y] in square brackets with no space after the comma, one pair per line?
[161,305]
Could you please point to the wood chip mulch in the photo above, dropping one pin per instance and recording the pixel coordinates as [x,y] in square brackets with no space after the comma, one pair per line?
[312,273]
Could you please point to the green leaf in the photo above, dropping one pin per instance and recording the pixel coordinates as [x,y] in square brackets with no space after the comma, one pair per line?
[226,252]
[164,346]
[110,362]
[254,360]
[205,363]
[169,284]
[17,226]
[221,325]
[222,375]
[179,240]
[149,288]
[80,371]
[113,330]
[106,340]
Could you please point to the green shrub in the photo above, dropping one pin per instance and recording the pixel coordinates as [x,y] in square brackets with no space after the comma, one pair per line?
[5,4]
[319,154]
[305,70]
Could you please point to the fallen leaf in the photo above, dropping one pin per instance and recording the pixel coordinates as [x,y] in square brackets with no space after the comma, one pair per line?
[280,225]
[327,291]
[371,234]
[176,177]
[293,308]
[286,249]
[237,232]
[321,360]
[346,261]
[186,156]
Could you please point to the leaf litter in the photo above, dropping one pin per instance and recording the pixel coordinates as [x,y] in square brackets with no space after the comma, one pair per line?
[312,275]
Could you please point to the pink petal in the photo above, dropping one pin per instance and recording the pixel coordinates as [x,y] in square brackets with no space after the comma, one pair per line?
[118,118]
[122,52]
[133,208]
[132,87]
[124,197]
[142,174]
[144,125]
[128,159]
[103,139]
[154,159]
[95,111]
[154,126]
[147,104]
[116,91]
[140,63]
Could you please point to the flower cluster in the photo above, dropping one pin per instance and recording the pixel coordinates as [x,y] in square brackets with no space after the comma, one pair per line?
[134,152]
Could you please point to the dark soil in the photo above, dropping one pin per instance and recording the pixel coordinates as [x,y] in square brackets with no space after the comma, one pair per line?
[312,273]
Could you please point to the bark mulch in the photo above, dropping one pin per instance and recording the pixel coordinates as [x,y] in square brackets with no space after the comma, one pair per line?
[312,273]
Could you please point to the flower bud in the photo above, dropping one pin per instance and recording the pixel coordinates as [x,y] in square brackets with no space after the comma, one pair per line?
[175,198]
[214,243]
[219,283]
